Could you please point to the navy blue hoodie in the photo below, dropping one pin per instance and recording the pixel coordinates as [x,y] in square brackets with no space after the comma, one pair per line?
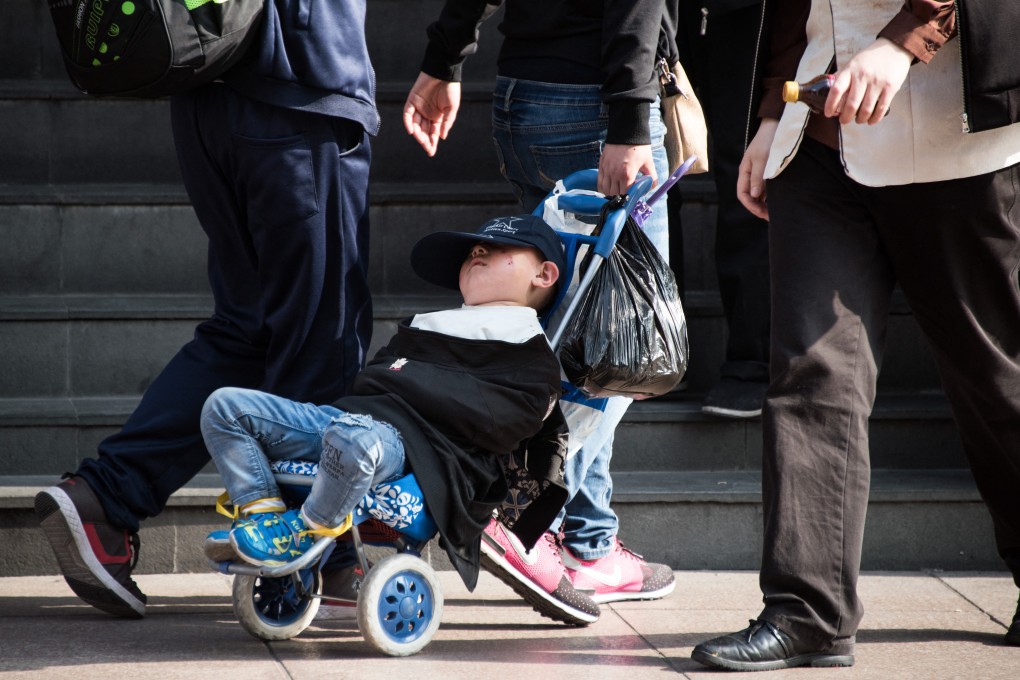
[312,55]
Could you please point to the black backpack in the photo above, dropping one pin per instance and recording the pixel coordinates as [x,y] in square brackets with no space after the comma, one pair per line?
[151,48]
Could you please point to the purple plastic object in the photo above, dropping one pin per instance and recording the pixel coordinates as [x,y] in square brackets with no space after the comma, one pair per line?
[643,209]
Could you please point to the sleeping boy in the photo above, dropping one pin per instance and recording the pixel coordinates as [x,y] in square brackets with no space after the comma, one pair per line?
[457,396]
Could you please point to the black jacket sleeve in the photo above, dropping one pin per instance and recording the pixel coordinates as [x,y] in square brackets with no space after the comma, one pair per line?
[630,31]
[454,36]
[627,37]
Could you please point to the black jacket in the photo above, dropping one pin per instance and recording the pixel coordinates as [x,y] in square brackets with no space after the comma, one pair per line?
[610,43]
[462,407]
[988,31]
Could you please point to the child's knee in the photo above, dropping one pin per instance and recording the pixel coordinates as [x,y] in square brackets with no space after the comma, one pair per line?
[215,406]
[352,437]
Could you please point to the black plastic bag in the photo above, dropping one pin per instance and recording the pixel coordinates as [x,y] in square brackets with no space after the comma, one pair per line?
[628,335]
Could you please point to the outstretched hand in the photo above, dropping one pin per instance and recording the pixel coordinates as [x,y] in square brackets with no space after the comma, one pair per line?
[430,110]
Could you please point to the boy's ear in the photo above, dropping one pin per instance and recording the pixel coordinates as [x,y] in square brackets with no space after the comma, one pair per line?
[547,276]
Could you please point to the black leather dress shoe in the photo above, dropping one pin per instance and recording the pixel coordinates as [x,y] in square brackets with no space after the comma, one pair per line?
[1013,634]
[763,647]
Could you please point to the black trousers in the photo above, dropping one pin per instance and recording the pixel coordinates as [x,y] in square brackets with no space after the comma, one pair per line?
[837,249]
[720,66]
[283,197]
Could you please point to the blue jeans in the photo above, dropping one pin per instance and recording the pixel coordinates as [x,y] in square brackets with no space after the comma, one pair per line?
[543,132]
[246,429]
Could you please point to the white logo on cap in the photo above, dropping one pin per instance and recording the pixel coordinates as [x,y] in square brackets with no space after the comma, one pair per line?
[503,225]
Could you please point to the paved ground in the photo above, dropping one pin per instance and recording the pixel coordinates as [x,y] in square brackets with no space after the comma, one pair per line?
[926,626]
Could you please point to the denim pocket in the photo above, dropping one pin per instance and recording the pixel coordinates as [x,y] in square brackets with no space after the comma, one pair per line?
[514,183]
[556,162]
[278,178]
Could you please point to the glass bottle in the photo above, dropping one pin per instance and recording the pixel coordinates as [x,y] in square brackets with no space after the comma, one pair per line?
[813,92]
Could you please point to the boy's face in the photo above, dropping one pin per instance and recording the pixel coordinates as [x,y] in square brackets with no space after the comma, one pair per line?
[499,274]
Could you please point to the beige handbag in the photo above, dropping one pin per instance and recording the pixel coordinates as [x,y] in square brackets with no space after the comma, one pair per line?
[686,131]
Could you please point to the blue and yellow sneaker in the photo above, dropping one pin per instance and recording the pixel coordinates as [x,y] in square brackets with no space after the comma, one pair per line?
[217,546]
[272,539]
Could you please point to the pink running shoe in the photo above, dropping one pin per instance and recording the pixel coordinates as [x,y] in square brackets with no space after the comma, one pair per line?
[620,575]
[537,575]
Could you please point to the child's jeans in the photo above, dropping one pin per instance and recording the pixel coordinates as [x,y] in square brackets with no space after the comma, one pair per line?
[246,429]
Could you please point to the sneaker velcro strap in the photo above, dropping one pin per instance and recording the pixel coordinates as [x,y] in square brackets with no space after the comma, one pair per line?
[333,533]
[221,506]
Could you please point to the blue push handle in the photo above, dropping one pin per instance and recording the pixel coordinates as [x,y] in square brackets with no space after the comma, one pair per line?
[592,205]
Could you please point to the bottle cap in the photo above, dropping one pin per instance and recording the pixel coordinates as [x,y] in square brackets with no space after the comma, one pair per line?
[791,91]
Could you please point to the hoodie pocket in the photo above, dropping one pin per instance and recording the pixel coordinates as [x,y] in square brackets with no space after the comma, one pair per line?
[279,179]
[304,13]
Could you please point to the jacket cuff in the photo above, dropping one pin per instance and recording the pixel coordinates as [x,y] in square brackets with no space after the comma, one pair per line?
[921,39]
[628,123]
[436,65]
[772,104]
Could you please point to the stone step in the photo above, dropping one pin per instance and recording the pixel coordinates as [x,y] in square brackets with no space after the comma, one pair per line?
[144,238]
[908,431]
[931,519]
[114,345]
[129,140]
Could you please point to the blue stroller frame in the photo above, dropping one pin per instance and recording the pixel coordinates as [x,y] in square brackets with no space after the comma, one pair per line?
[400,603]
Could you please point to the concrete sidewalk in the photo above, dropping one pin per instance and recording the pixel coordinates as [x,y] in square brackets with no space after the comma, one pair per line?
[928,626]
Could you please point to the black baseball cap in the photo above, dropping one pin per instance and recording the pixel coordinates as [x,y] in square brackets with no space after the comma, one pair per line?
[437,258]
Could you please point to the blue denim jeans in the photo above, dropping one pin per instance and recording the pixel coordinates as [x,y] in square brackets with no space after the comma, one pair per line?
[543,132]
[246,429]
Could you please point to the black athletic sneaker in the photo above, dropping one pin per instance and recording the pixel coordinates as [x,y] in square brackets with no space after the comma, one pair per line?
[95,557]
[1013,634]
[734,398]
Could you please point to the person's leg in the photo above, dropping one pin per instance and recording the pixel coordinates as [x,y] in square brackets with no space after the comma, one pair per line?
[722,69]
[741,239]
[304,341]
[956,249]
[160,446]
[544,132]
[594,556]
[588,523]
[288,320]
[831,285]
[311,242]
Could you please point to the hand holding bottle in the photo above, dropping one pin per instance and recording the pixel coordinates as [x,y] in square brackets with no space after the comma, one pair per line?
[862,90]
